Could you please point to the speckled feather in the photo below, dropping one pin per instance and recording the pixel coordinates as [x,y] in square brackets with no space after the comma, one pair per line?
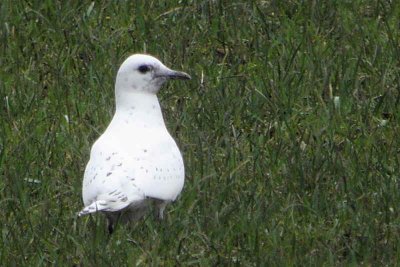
[136,158]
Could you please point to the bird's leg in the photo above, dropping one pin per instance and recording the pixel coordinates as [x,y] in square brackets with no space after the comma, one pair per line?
[160,207]
[111,224]
[110,227]
[112,220]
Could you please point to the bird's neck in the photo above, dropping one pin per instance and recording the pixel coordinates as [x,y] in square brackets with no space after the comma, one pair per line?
[135,105]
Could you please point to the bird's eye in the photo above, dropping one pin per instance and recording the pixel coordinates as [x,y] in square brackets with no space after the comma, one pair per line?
[144,68]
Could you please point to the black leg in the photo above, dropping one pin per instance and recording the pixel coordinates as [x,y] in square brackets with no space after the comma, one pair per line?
[110,227]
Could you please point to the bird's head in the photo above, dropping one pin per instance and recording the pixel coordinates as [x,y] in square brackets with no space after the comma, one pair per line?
[146,74]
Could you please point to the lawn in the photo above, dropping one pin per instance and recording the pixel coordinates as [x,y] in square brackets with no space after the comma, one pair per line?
[289,130]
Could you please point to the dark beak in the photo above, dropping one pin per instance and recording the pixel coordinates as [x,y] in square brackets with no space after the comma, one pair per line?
[179,75]
[173,74]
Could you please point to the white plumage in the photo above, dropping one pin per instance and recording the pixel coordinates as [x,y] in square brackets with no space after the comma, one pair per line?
[136,161]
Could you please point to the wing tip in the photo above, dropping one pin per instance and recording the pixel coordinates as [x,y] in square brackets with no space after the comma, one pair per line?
[92,208]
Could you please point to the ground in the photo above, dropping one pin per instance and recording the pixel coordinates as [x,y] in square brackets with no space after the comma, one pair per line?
[289,130]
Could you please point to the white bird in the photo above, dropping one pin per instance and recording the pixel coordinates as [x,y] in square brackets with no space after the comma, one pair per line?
[135,162]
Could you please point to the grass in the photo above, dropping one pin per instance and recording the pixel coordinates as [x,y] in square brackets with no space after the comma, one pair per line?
[289,130]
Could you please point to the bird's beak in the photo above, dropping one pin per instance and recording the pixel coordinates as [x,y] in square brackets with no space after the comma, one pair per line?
[173,74]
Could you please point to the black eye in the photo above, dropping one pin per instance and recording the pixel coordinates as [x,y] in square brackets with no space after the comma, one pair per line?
[144,68]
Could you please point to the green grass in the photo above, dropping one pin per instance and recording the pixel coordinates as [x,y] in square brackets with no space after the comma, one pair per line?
[277,174]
